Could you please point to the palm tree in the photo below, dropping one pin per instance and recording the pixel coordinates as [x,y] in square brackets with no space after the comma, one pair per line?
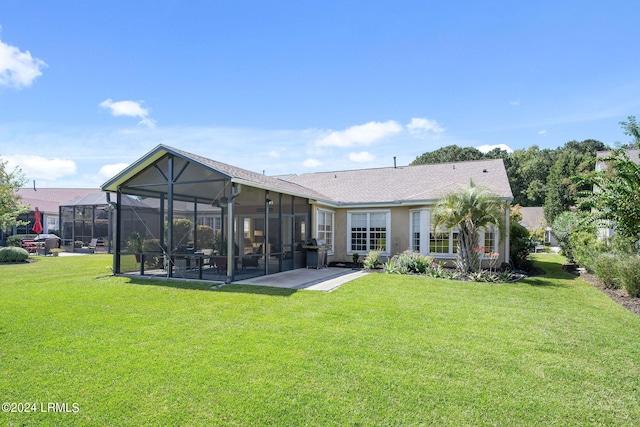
[469,210]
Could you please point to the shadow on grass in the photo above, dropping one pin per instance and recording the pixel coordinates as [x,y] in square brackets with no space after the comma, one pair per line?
[257,290]
[206,286]
[554,275]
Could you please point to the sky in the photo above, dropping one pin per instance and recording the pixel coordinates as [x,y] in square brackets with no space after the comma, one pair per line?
[280,87]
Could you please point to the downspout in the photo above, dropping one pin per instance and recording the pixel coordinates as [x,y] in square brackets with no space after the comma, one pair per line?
[507,255]
[230,214]
[118,242]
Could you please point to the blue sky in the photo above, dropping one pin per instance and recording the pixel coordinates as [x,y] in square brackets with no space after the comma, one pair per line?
[302,86]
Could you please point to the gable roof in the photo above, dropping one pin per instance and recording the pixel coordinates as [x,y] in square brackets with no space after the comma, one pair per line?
[407,184]
[634,156]
[533,217]
[207,170]
[380,186]
[49,199]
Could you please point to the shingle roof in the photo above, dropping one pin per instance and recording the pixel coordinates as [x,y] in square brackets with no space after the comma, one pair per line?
[634,155]
[243,175]
[407,184]
[533,217]
[101,199]
[49,199]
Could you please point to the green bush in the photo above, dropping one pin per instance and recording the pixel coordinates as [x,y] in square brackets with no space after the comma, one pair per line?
[629,275]
[409,262]
[13,254]
[563,226]
[605,266]
[372,260]
[206,237]
[586,248]
[16,238]
[519,245]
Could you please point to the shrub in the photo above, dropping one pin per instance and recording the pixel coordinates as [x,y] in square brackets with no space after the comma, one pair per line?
[372,260]
[409,262]
[563,226]
[586,248]
[206,237]
[13,254]
[389,267]
[519,244]
[16,239]
[605,269]
[629,275]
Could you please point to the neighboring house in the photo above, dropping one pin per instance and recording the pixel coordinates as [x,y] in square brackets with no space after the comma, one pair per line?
[533,220]
[48,201]
[273,218]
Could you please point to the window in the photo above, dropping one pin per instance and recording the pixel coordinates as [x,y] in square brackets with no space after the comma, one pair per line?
[368,231]
[415,231]
[489,241]
[325,228]
[214,222]
[439,242]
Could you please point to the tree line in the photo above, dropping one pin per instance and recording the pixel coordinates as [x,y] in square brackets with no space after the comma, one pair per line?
[541,177]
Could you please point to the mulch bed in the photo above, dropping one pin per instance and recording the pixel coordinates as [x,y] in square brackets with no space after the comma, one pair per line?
[618,295]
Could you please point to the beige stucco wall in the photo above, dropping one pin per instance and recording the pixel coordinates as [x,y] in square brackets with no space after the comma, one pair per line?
[399,233]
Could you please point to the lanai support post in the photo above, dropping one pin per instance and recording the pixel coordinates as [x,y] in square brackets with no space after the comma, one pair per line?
[170,214]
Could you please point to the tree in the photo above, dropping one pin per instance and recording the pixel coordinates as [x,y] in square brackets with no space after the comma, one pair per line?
[616,194]
[469,210]
[11,206]
[528,171]
[575,159]
[632,129]
[450,153]
[562,227]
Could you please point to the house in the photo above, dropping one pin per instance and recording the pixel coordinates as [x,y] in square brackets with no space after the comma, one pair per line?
[534,221]
[266,222]
[48,201]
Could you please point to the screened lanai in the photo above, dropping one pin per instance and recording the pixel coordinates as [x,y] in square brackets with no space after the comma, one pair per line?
[91,218]
[209,220]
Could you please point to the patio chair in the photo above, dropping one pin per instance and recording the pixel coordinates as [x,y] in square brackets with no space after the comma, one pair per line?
[92,245]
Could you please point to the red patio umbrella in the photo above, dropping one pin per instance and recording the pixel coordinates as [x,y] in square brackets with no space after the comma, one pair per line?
[37,226]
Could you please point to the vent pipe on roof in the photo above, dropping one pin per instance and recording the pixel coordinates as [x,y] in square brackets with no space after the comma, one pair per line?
[394,162]
[34,185]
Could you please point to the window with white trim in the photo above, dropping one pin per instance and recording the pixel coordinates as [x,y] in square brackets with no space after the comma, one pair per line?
[415,231]
[368,231]
[325,227]
[443,241]
[490,241]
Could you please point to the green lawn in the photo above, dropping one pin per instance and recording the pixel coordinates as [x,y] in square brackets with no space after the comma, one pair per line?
[382,350]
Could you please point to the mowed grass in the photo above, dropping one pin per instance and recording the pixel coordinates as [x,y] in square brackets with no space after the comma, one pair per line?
[382,350]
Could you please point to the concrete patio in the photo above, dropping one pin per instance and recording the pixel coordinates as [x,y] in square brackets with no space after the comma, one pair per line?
[323,279]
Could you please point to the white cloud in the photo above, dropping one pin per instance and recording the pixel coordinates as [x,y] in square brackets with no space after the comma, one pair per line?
[486,148]
[515,103]
[312,163]
[18,69]
[107,172]
[542,132]
[419,125]
[130,109]
[365,134]
[361,157]
[41,167]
